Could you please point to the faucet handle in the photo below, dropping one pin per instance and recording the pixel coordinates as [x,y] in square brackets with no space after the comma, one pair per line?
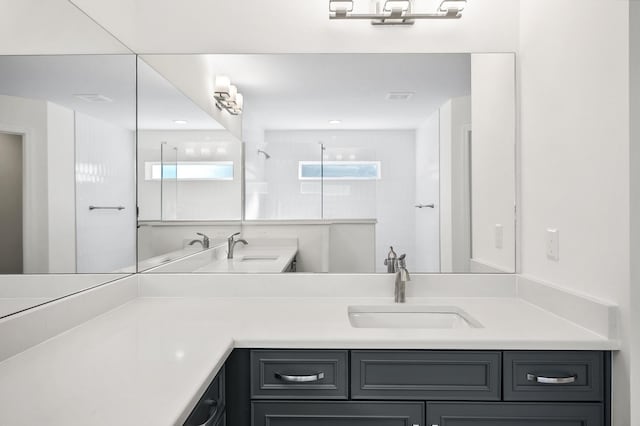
[401,261]
[206,237]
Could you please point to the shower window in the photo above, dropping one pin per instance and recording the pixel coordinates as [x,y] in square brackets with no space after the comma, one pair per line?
[207,170]
[339,170]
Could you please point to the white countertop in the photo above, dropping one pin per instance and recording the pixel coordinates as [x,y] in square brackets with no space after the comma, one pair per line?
[148,361]
[254,259]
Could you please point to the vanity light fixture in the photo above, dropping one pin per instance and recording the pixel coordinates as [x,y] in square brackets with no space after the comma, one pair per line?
[395,12]
[335,122]
[226,96]
[180,121]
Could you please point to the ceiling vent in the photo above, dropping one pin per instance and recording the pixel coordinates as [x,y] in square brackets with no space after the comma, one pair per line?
[399,96]
[93,98]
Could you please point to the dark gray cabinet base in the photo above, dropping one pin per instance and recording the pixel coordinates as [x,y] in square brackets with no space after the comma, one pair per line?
[513,414]
[317,413]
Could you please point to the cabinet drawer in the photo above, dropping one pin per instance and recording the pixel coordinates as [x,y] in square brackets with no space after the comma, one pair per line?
[298,374]
[426,375]
[553,376]
[514,414]
[210,409]
[317,413]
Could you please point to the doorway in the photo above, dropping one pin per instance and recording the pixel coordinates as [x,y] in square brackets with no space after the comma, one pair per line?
[11,184]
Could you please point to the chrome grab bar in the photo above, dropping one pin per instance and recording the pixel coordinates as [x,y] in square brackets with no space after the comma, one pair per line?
[106,208]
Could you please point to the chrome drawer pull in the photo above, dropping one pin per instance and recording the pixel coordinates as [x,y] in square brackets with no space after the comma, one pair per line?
[300,379]
[552,380]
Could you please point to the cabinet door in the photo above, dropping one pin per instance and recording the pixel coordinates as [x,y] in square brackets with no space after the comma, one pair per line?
[316,413]
[514,414]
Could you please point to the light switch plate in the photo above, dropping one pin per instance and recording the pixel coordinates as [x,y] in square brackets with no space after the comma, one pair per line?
[499,236]
[553,244]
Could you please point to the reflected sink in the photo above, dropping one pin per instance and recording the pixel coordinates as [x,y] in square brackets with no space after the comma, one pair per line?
[258,258]
[410,316]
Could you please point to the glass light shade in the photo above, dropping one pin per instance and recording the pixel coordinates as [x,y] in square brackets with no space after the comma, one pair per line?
[390,5]
[223,86]
[239,102]
[340,5]
[452,5]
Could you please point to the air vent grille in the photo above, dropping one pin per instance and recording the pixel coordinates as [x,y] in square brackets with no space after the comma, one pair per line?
[399,96]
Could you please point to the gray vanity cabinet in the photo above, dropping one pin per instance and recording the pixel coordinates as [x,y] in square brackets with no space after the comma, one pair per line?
[418,388]
[513,414]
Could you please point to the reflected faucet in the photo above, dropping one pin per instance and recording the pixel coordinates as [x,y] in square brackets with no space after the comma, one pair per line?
[231,244]
[402,276]
[205,242]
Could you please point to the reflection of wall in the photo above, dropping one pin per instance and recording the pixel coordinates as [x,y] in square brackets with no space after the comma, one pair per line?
[635,202]
[105,177]
[190,200]
[455,238]
[48,246]
[390,199]
[61,181]
[427,192]
[575,160]
[493,154]
[11,206]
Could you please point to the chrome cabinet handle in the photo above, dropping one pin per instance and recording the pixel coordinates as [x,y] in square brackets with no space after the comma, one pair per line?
[300,379]
[423,206]
[213,414]
[551,380]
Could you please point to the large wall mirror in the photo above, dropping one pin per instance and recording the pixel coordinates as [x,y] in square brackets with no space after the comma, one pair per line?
[67,174]
[334,160]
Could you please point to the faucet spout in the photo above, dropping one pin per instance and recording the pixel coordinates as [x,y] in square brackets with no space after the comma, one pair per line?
[402,276]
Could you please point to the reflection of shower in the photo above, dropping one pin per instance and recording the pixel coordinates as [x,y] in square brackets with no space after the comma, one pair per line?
[266,156]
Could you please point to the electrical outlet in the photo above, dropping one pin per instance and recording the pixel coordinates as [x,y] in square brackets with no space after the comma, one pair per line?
[553,244]
[499,236]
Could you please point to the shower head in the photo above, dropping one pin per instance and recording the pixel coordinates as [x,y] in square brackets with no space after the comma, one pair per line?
[266,156]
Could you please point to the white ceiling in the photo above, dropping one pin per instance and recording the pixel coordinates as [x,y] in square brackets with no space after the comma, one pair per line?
[305,91]
[58,78]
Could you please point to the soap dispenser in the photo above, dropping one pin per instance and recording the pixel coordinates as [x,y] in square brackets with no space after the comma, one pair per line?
[391,262]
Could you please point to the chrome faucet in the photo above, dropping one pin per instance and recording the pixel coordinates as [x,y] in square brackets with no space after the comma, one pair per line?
[231,244]
[205,242]
[402,276]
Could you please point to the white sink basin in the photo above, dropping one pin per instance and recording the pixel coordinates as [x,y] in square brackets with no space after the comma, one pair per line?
[410,316]
[258,258]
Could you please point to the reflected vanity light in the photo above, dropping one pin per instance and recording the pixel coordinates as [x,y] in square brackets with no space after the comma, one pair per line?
[395,12]
[226,96]
[180,121]
[334,122]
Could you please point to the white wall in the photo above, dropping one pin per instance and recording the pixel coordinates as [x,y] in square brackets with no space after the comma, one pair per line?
[258,26]
[106,239]
[390,200]
[36,27]
[634,37]
[574,86]
[427,254]
[493,158]
[190,200]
